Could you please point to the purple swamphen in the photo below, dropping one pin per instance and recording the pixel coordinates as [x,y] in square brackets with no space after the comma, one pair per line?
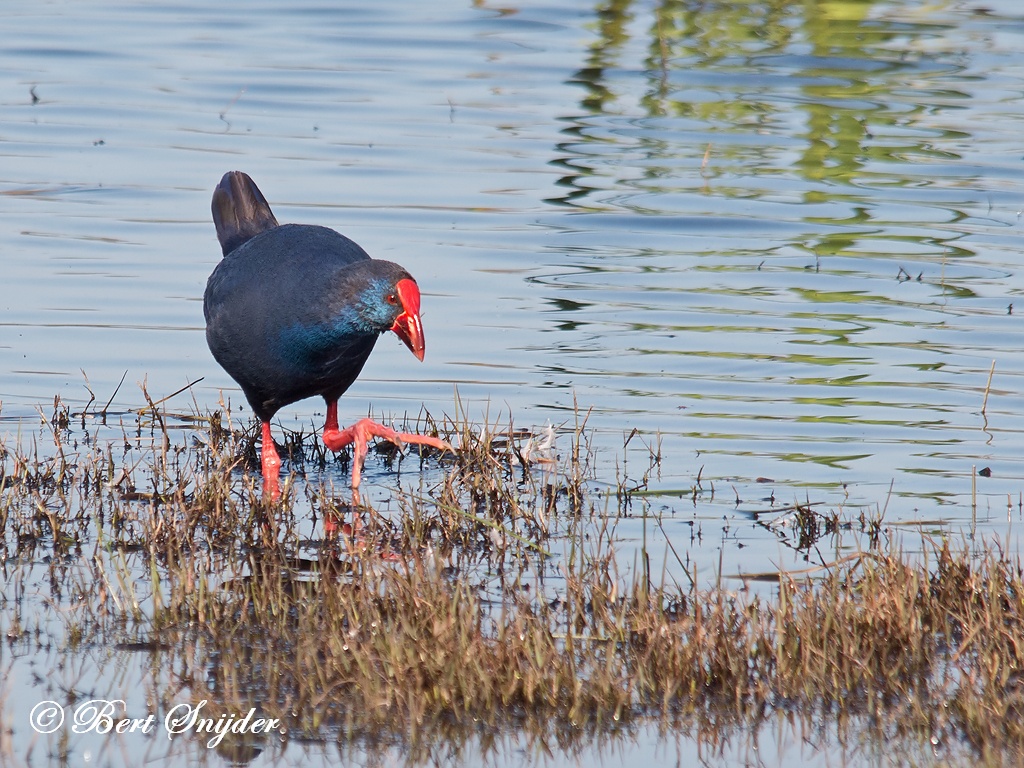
[293,311]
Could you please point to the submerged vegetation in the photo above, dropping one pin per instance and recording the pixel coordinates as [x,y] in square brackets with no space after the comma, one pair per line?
[486,600]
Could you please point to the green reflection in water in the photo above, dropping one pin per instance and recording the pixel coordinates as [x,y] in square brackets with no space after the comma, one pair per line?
[776,221]
[827,76]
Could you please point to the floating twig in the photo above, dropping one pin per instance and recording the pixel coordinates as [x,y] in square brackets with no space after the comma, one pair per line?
[988,387]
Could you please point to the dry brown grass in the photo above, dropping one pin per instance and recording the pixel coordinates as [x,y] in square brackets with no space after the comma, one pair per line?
[486,602]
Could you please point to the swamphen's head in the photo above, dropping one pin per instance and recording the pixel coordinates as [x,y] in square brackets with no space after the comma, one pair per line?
[390,305]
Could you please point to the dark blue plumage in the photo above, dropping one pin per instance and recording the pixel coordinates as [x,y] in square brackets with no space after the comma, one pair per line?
[240,211]
[294,311]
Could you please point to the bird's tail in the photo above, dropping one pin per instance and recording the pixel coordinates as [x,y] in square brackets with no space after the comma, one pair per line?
[240,212]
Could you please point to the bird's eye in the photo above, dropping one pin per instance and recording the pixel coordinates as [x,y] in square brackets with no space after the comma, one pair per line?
[391,298]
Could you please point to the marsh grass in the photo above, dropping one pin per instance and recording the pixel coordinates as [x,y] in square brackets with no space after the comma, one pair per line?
[485,600]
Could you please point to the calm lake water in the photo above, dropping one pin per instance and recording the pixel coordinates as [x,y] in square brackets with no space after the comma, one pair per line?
[782,242]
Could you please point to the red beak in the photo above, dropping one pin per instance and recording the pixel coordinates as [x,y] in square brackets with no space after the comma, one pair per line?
[407,325]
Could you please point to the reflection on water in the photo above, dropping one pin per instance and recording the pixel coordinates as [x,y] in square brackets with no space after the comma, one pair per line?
[788,177]
[780,240]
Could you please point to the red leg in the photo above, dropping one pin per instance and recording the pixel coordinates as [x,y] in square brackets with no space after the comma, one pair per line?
[271,464]
[331,422]
[361,432]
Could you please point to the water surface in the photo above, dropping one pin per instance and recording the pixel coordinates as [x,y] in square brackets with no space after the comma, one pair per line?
[780,242]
